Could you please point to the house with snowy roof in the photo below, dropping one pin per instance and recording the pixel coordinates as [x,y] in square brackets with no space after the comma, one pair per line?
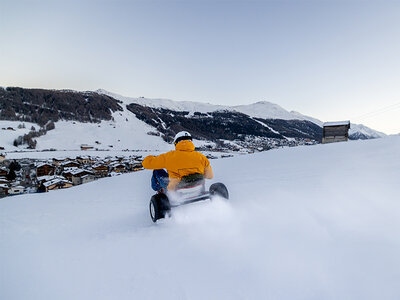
[58,161]
[77,175]
[3,180]
[3,172]
[86,147]
[84,159]
[69,164]
[118,167]
[45,169]
[87,178]
[56,184]
[100,170]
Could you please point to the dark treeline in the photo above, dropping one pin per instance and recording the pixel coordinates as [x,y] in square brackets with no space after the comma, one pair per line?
[41,106]
[226,125]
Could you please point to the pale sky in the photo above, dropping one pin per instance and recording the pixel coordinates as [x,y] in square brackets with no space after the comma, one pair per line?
[333,60]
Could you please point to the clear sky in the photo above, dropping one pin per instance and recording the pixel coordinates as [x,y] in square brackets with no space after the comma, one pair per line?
[333,60]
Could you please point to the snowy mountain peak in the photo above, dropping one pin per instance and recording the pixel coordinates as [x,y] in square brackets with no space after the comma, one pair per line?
[261,109]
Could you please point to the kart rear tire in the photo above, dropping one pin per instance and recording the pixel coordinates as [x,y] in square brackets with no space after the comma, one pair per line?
[158,207]
[219,189]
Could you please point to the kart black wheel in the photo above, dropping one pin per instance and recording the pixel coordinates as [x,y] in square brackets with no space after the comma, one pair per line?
[219,189]
[159,206]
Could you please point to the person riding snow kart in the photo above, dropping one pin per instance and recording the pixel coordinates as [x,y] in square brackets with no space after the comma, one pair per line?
[183,162]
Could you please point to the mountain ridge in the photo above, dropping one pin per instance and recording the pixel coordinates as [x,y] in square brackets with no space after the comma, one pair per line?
[259,109]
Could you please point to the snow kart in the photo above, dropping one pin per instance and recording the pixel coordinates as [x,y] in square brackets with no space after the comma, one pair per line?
[190,189]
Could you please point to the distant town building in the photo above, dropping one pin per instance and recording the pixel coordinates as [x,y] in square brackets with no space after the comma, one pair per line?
[86,147]
[100,170]
[87,178]
[117,167]
[56,184]
[78,174]
[4,180]
[16,190]
[2,157]
[335,132]
[3,190]
[3,172]
[45,169]
[57,161]
[135,166]
[84,159]
[69,164]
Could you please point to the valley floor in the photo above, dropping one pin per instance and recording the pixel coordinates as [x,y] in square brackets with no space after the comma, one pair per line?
[318,222]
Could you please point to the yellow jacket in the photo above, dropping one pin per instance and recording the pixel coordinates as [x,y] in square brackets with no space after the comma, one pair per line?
[180,162]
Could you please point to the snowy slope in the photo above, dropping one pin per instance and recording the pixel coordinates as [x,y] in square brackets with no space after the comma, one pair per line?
[7,137]
[125,132]
[296,227]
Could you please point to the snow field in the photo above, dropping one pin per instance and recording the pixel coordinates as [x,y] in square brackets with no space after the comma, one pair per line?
[316,222]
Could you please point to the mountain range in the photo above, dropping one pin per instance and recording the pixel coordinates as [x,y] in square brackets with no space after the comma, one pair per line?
[143,123]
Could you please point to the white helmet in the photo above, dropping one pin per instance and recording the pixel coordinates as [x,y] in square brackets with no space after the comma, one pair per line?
[182,135]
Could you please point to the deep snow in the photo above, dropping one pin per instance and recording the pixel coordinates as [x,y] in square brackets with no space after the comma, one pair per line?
[318,222]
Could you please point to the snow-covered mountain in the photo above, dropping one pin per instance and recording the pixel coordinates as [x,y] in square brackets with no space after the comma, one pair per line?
[362,132]
[294,228]
[261,109]
[107,120]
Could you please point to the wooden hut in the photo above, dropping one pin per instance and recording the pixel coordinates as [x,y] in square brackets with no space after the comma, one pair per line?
[3,172]
[335,132]
[100,170]
[45,169]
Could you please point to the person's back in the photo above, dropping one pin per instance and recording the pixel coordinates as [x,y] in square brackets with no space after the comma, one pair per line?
[182,161]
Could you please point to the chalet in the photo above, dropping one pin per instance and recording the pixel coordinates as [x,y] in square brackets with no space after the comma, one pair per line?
[4,180]
[57,162]
[117,167]
[67,172]
[69,164]
[3,190]
[84,159]
[88,178]
[45,178]
[335,132]
[100,170]
[135,166]
[3,172]
[86,147]
[45,169]
[56,184]
[78,174]
[2,157]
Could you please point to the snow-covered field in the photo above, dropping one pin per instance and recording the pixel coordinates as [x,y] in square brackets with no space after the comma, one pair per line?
[125,132]
[318,222]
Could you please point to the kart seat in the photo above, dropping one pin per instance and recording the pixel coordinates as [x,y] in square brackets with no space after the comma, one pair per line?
[191,184]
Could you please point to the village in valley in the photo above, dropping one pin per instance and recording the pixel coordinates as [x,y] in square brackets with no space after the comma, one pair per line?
[30,175]
[20,176]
